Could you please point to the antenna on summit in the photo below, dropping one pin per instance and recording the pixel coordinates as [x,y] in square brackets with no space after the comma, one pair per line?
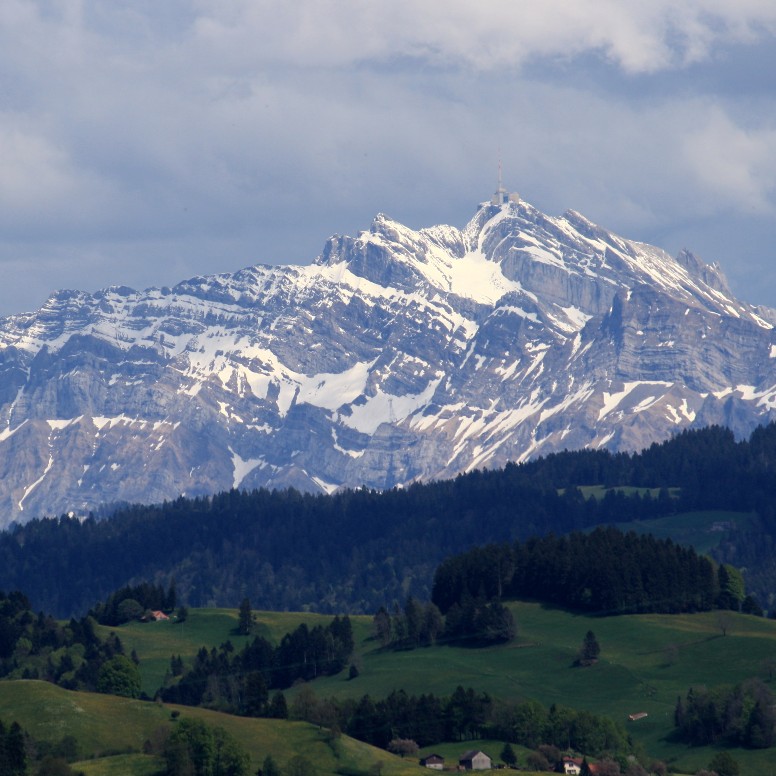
[502,196]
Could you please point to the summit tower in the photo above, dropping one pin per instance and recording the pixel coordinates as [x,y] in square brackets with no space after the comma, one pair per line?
[502,196]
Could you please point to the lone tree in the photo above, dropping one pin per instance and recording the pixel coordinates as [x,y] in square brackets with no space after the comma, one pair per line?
[119,676]
[589,651]
[724,765]
[245,620]
[270,767]
[508,755]
[403,746]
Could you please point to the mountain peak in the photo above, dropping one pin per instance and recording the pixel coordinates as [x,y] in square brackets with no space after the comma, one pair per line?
[398,355]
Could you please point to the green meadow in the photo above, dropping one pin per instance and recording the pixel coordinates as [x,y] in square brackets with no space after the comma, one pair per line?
[599,491]
[646,662]
[156,642]
[111,732]
[701,530]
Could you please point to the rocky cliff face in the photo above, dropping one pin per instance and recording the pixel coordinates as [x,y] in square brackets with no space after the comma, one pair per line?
[398,355]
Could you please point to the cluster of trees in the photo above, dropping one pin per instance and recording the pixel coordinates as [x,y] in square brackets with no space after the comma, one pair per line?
[197,748]
[36,646]
[21,754]
[133,603]
[351,551]
[477,623]
[417,625]
[530,724]
[239,682]
[465,715]
[742,715]
[604,571]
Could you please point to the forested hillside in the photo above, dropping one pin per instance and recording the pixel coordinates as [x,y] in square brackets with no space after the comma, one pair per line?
[356,550]
[603,572]
[72,656]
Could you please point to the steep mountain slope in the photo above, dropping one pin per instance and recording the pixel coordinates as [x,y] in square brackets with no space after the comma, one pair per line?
[398,355]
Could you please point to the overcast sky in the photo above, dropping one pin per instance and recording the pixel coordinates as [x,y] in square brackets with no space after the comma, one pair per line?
[146,141]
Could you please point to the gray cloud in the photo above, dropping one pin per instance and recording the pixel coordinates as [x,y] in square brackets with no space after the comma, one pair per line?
[144,142]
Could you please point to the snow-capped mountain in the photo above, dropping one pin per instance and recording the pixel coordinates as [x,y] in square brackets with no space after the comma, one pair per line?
[398,355]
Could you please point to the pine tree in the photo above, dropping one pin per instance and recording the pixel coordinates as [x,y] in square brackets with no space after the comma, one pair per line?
[270,767]
[278,708]
[381,624]
[245,619]
[588,654]
[16,750]
[508,755]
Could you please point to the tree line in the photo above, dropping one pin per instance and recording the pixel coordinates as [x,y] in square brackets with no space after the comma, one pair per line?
[239,681]
[605,571]
[477,623]
[352,551]
[194,747]
[429,719]
[36,646]
[134,602]
[190,747]
[740,715]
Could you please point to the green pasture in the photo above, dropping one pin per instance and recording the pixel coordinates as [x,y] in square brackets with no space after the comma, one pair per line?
[646,662]
[124,764]
[701,530]
[599,491]
[156,642]
[111,732]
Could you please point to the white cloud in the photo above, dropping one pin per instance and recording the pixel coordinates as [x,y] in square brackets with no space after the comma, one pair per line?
[637,36]
[190,136]
[732,163]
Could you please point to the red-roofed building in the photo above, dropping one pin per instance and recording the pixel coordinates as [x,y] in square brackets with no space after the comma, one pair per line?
[572,765]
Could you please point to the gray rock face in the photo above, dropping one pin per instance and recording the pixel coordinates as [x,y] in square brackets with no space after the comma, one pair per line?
[399,355]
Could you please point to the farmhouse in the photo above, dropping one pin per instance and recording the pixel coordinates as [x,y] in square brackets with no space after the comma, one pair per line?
[572,765]
[474,760]
[435,761]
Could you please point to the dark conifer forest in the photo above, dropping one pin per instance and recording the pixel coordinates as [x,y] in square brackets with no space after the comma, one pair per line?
[360,549]
[603,572]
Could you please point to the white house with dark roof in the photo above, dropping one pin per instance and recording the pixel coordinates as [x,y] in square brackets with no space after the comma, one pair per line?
[435,761]
[475,760]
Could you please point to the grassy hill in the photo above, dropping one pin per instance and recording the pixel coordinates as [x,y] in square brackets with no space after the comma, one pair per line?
[701,530]
[108,728]
[156,642]
[646,662]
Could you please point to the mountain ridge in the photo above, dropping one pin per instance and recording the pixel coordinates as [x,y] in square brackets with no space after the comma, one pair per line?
[398,355]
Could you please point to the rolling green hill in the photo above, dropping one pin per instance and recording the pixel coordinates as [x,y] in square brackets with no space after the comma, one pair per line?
[646,662]
[107,727]
[156,642]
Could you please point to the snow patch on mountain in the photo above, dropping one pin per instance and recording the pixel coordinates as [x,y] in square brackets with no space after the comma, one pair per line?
[397,355]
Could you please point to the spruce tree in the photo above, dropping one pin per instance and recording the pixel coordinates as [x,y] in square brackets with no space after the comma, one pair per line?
[245,619]
[588,653]
[508,755]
